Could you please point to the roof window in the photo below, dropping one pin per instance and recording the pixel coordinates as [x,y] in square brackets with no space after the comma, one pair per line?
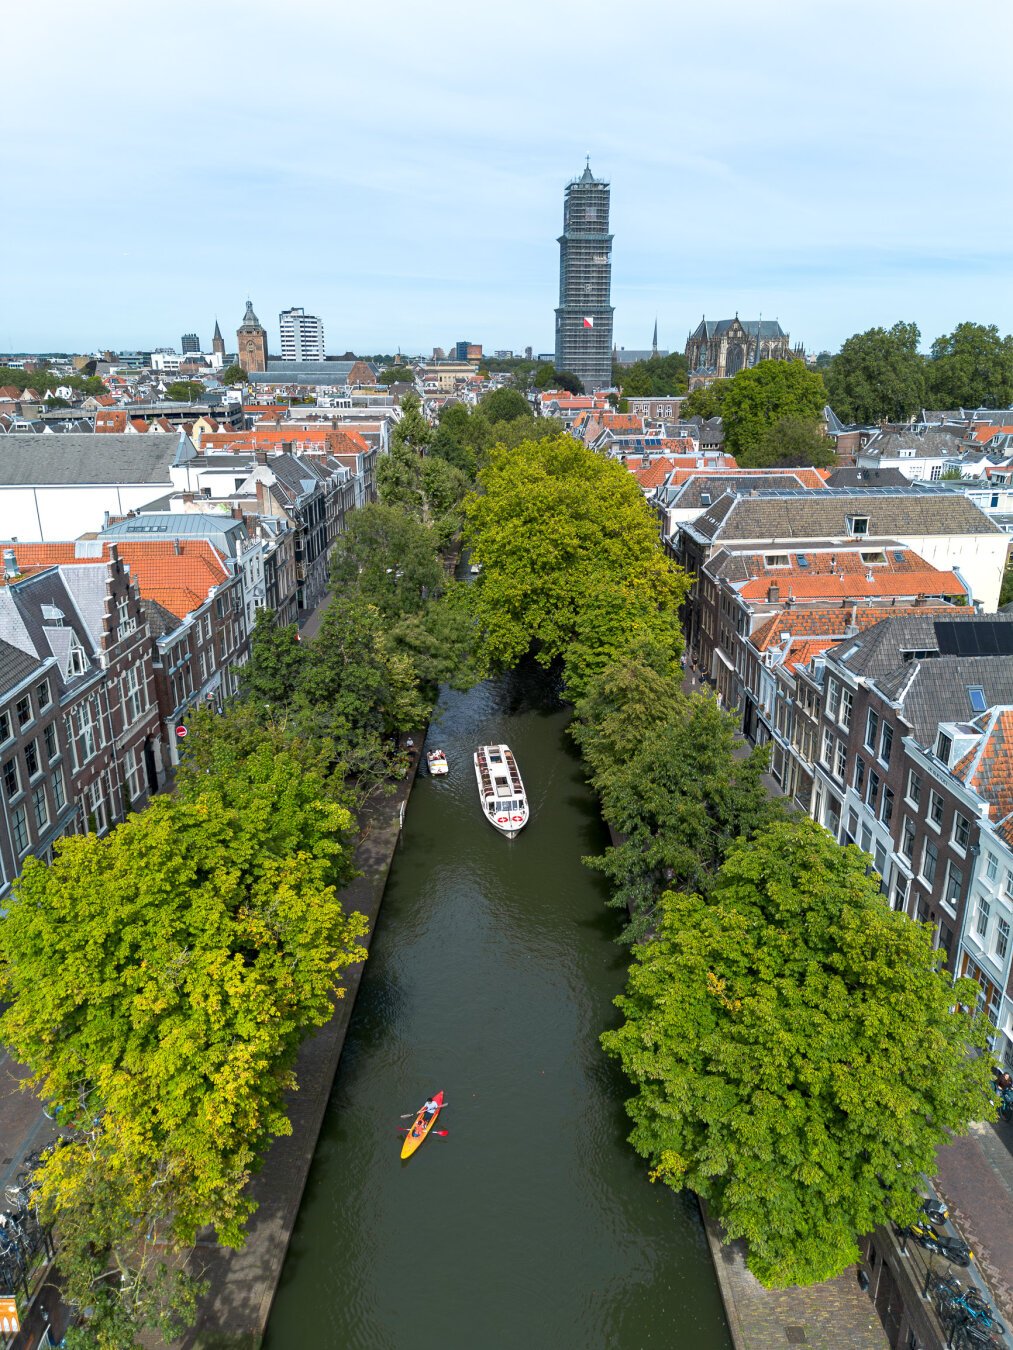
[776,560]
[858,525]
[874,559]
[802,560]
[977,696]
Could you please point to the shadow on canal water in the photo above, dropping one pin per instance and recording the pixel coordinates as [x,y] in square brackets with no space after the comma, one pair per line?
[491,976]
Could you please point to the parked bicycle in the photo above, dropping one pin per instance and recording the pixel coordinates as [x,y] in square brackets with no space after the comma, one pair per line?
[960,1308]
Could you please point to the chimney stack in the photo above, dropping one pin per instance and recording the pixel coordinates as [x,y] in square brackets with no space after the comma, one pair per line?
[11,569]
[773,593]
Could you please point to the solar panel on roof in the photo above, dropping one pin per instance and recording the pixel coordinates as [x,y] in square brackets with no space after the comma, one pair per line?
[985,638]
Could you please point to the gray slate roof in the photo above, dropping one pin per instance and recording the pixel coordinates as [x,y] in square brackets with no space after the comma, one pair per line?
[29,460]
[15,666]
[766,328]
[929,443]
[854,477]
[823,514]
[227,534]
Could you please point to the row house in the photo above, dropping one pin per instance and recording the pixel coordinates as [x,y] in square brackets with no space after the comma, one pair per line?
[740,589]
[260,549]
[897,709]
[192,618]
[80,743]
[313,493]
[944,529]
[687,493]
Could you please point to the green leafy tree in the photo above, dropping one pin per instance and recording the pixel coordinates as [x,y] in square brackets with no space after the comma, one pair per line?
[655,378]
[673,780]
[234,374]
[504,405]
[1006,590]
[972,367]
[184,391]
[440,641]
[396,375]
[797,1054]
[878,375]
[565,379]
[545,376]
[791,442]
[162,1024]
[763,395]
[706,400]
[572,563]
[271,676]
[389,559]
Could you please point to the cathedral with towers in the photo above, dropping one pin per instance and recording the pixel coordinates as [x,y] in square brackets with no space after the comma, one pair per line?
[718,348]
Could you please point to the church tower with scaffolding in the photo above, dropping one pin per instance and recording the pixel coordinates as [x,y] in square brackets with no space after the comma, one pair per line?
[584,316]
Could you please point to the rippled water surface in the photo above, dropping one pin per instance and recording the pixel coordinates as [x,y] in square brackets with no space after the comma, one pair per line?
[492,972]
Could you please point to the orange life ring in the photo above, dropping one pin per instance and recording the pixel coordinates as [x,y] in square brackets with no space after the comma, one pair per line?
[516,818]
[501,820]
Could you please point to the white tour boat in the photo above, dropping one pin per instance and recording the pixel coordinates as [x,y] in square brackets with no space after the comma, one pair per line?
[500,789]
[437,761]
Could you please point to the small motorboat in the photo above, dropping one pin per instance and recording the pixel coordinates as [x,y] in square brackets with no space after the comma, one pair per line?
[420,1128]
[500,789]
[437,761]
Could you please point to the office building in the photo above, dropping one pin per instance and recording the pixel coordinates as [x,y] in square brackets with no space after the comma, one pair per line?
[302,336]
[584,316]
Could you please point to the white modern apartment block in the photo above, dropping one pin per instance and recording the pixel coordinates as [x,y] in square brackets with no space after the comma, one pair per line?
[302,336]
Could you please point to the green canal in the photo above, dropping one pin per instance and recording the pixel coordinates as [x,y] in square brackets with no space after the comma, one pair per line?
[492,972]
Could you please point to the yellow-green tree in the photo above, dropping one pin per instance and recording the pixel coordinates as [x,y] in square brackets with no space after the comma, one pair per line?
[572,561]
[162,980]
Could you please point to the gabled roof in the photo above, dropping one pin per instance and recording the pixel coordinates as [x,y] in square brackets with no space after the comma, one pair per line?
[72,458]
[918,509]
[987,768]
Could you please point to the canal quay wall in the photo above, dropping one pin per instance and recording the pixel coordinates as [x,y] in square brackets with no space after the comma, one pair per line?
[242,1284]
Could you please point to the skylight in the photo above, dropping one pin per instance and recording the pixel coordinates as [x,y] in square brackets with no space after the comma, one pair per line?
[802,560]
[977,696]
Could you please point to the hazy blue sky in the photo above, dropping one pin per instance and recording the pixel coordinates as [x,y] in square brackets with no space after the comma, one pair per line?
[398,168]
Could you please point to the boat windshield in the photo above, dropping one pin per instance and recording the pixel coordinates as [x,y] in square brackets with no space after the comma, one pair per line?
[506,806]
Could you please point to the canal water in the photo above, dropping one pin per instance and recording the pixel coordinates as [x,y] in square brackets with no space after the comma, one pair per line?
[492,972]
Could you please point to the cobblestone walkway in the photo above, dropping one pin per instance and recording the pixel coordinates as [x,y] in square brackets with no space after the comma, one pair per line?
[836,1315]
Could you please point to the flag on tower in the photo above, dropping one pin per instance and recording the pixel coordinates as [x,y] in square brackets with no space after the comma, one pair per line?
[588,322]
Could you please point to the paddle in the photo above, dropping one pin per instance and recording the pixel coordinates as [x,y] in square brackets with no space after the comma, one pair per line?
[443,1132]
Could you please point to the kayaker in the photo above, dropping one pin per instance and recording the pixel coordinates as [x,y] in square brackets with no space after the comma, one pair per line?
[431,1107]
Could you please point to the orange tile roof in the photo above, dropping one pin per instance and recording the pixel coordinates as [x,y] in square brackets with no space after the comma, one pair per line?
[114,422]
[988,767]
[178,575]
[854,586]
[981,434]
[832,622]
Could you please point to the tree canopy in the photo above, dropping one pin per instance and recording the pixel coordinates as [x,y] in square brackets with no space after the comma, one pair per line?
[759,397]
[572,563]
[656,377]
[878,375]
[673,782]
[184,391]
[972,367]
[234,374]
[796,1051]
[790,443]
[162,979]
[707,400]
[505,405]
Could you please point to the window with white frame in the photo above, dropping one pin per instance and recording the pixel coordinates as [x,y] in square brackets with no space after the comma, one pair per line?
[930,861]
[40,806]
[886,743]
[935,808]
[19,828]
[97,807]
[59,792]
[840,760]
[981,916]
[907,839]
[1001,938]
[871,729]
[991,865]
[133,702]
[52,742]
[1008,884]
[961,830]
[954,884]
[827,754]
[833,698]
[133,774]
[847,707]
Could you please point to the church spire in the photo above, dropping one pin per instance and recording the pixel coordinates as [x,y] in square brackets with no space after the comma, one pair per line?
[654,340]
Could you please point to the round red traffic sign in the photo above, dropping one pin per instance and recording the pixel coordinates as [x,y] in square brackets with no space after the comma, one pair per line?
[181,731]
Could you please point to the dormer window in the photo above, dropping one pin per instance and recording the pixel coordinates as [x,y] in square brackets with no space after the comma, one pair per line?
[776,560]
[77,662]
[944,745]
[858,525]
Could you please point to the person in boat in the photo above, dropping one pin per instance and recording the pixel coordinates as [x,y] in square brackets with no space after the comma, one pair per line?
[432,1106]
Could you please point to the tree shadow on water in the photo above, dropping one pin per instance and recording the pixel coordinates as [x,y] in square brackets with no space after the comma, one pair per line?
[530,688]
